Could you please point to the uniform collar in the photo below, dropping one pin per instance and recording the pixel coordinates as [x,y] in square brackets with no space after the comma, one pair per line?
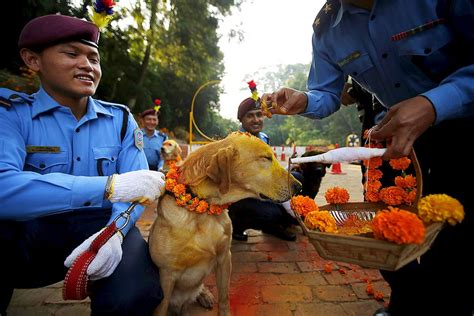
[44,102]
[155,133]
[346,8]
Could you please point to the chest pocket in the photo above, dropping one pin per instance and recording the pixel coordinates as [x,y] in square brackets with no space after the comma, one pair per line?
[433,52]
[360,68]
[47,162]
[106,159]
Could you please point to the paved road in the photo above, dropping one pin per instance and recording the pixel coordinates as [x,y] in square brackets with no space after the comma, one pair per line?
[270,277]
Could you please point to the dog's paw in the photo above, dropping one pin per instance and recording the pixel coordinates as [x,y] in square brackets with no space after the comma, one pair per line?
[205,298]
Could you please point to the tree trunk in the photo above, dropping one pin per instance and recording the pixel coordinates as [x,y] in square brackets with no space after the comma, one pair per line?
[146,57]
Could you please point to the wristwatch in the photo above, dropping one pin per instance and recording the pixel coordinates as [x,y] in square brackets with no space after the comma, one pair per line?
[109,187]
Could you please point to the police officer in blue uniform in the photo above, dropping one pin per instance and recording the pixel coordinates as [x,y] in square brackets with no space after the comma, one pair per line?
[69,165]
[267,216]
[417,57]
[153,139]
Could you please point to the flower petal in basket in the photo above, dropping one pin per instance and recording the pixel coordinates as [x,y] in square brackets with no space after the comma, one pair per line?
[365,250]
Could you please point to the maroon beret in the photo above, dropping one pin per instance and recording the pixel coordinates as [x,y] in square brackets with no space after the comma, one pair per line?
[51,29]
[148,112]
[246,105]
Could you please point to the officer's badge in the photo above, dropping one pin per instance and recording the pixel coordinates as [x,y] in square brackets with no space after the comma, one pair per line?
[138,135]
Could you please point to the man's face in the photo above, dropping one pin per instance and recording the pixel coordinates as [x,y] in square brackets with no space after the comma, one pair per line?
[150,122]
[252,121]
[69,70]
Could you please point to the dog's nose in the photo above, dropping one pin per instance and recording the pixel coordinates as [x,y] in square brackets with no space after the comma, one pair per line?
[296,187]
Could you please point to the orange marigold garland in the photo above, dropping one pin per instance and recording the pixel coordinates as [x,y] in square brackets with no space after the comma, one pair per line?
[404,191]
[337,195]
[399,226]
[188,200]
[440,208]
[303,205]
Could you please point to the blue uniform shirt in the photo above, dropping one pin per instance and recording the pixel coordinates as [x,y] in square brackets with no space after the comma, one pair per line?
[428,62]
[49,160]
[261,135]
[152,148]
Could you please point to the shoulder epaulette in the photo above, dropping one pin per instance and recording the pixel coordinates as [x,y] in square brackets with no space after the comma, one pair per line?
[9,97]
[106,103]
[325,17]
[5,102]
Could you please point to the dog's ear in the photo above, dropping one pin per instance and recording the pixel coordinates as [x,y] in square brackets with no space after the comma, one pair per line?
[219,168]
[178,149]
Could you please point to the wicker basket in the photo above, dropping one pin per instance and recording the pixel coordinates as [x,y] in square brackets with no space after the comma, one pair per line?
[364,249]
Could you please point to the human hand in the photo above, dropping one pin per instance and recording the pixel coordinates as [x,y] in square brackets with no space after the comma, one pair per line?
[286,101]
[107,259]
[403,124]
[143,186]
[346,98]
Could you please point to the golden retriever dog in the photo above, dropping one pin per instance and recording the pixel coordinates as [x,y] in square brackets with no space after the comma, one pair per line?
[188,246]
[171,153]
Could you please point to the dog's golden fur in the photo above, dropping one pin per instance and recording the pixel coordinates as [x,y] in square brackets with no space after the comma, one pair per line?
[171,153]
[187,246]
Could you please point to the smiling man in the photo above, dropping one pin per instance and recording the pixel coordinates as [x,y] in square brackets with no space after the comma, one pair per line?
[68,162]
[248,213]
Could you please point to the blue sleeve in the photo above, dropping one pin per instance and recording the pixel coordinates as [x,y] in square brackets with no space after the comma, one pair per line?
[325,84]
[130,158]
[27,194]
[454,97]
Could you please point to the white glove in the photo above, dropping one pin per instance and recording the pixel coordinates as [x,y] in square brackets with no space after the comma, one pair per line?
[143,186]
[107,259]
[286,205]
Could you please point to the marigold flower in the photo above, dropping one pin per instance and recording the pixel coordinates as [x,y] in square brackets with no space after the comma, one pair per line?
[374,185]
[179,189]
[373,163]
[336,195]
[303,205]
[202,207]
[411,196]
[399,226]
[440,208]
[321,220]
[400,163]
[372,196]
[373,174]
[393,195]
[406,182]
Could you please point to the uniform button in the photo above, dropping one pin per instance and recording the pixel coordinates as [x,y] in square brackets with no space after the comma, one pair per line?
[42,165]
[372,17]
[113,159]
[355,73]
[427,50]
[78,158]
[384,55]
[87,204]
[397,85]
[77,130]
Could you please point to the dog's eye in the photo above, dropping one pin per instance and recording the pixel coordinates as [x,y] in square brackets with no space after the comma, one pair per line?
[267,158]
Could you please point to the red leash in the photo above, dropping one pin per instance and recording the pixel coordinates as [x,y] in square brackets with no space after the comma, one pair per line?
[76,280]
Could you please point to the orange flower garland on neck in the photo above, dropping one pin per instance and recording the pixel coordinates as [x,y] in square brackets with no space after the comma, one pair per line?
[188,200]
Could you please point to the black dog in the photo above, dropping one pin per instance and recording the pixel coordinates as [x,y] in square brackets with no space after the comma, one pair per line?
[312,172]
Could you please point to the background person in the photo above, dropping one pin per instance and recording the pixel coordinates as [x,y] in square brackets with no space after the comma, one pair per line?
[153,139]
[67,164]
[267,216]
[417,57]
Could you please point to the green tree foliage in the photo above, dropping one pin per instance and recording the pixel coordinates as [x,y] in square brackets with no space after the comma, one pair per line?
[144,56]
[286,130]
